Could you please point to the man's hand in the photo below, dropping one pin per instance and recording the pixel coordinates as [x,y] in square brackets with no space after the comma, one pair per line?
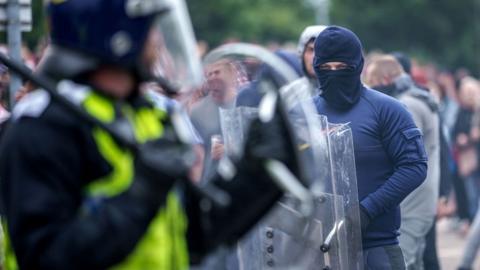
[217,151]
[364,220]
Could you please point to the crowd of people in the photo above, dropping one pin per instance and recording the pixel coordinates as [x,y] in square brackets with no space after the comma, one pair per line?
[416,136]
[445,106]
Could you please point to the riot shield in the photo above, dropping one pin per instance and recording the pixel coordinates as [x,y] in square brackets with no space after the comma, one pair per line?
[234,124]
[345,182]
[312,227]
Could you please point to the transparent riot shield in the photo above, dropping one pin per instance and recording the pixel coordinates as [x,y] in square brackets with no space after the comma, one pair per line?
[310,227]
[234,124]
[342,161]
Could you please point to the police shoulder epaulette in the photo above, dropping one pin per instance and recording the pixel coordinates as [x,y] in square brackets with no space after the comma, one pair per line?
[32,105]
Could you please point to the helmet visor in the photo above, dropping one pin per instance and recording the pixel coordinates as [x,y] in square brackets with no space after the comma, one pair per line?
[170,49]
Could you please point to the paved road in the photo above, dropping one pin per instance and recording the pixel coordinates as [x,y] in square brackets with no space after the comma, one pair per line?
[450,246]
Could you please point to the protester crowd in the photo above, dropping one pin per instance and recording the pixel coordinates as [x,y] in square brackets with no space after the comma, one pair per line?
[452,98]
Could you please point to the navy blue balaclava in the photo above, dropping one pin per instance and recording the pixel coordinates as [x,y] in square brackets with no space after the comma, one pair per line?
[340,88]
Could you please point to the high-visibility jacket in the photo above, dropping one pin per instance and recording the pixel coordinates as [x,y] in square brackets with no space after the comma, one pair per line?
[163,243]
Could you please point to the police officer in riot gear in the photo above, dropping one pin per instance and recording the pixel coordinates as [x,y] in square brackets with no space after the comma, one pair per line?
[74,196]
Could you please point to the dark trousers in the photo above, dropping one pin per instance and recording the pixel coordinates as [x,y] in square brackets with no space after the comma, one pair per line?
[383,258]
[430,257]
[463,208]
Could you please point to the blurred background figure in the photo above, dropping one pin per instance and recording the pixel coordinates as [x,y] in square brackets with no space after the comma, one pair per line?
[223,80]
[466,141]
[4,86]
[418,209]
[251,94]
[307,86]
[468,144]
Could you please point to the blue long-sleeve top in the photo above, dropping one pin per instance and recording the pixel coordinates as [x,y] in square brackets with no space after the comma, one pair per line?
[390,159]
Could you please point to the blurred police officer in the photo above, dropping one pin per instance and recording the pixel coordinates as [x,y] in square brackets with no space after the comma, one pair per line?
[74,195]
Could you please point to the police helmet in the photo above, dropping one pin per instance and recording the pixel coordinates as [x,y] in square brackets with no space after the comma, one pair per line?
[152,38]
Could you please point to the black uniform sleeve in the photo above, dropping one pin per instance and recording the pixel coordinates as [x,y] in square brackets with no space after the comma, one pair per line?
[43,169]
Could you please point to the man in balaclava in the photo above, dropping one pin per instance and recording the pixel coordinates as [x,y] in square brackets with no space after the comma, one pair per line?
[390,158]
[307,86]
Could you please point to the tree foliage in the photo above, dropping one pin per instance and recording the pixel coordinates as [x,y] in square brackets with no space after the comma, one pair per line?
[249,20]
[443,31]
[39,25]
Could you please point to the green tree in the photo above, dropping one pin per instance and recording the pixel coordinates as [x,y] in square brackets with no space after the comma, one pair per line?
[249,20]
[216,21]
[443,31]
[39,25]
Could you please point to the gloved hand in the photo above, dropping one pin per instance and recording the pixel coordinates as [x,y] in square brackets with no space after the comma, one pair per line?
[270,140]
[364,219]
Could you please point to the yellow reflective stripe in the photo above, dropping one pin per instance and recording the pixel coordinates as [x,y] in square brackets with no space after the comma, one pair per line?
[120,159]
[178,221]
[147,122]
[100,107]
[10,260]
[163,246]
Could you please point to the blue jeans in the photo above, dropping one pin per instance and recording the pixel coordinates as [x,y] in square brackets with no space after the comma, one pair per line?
[472,188]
